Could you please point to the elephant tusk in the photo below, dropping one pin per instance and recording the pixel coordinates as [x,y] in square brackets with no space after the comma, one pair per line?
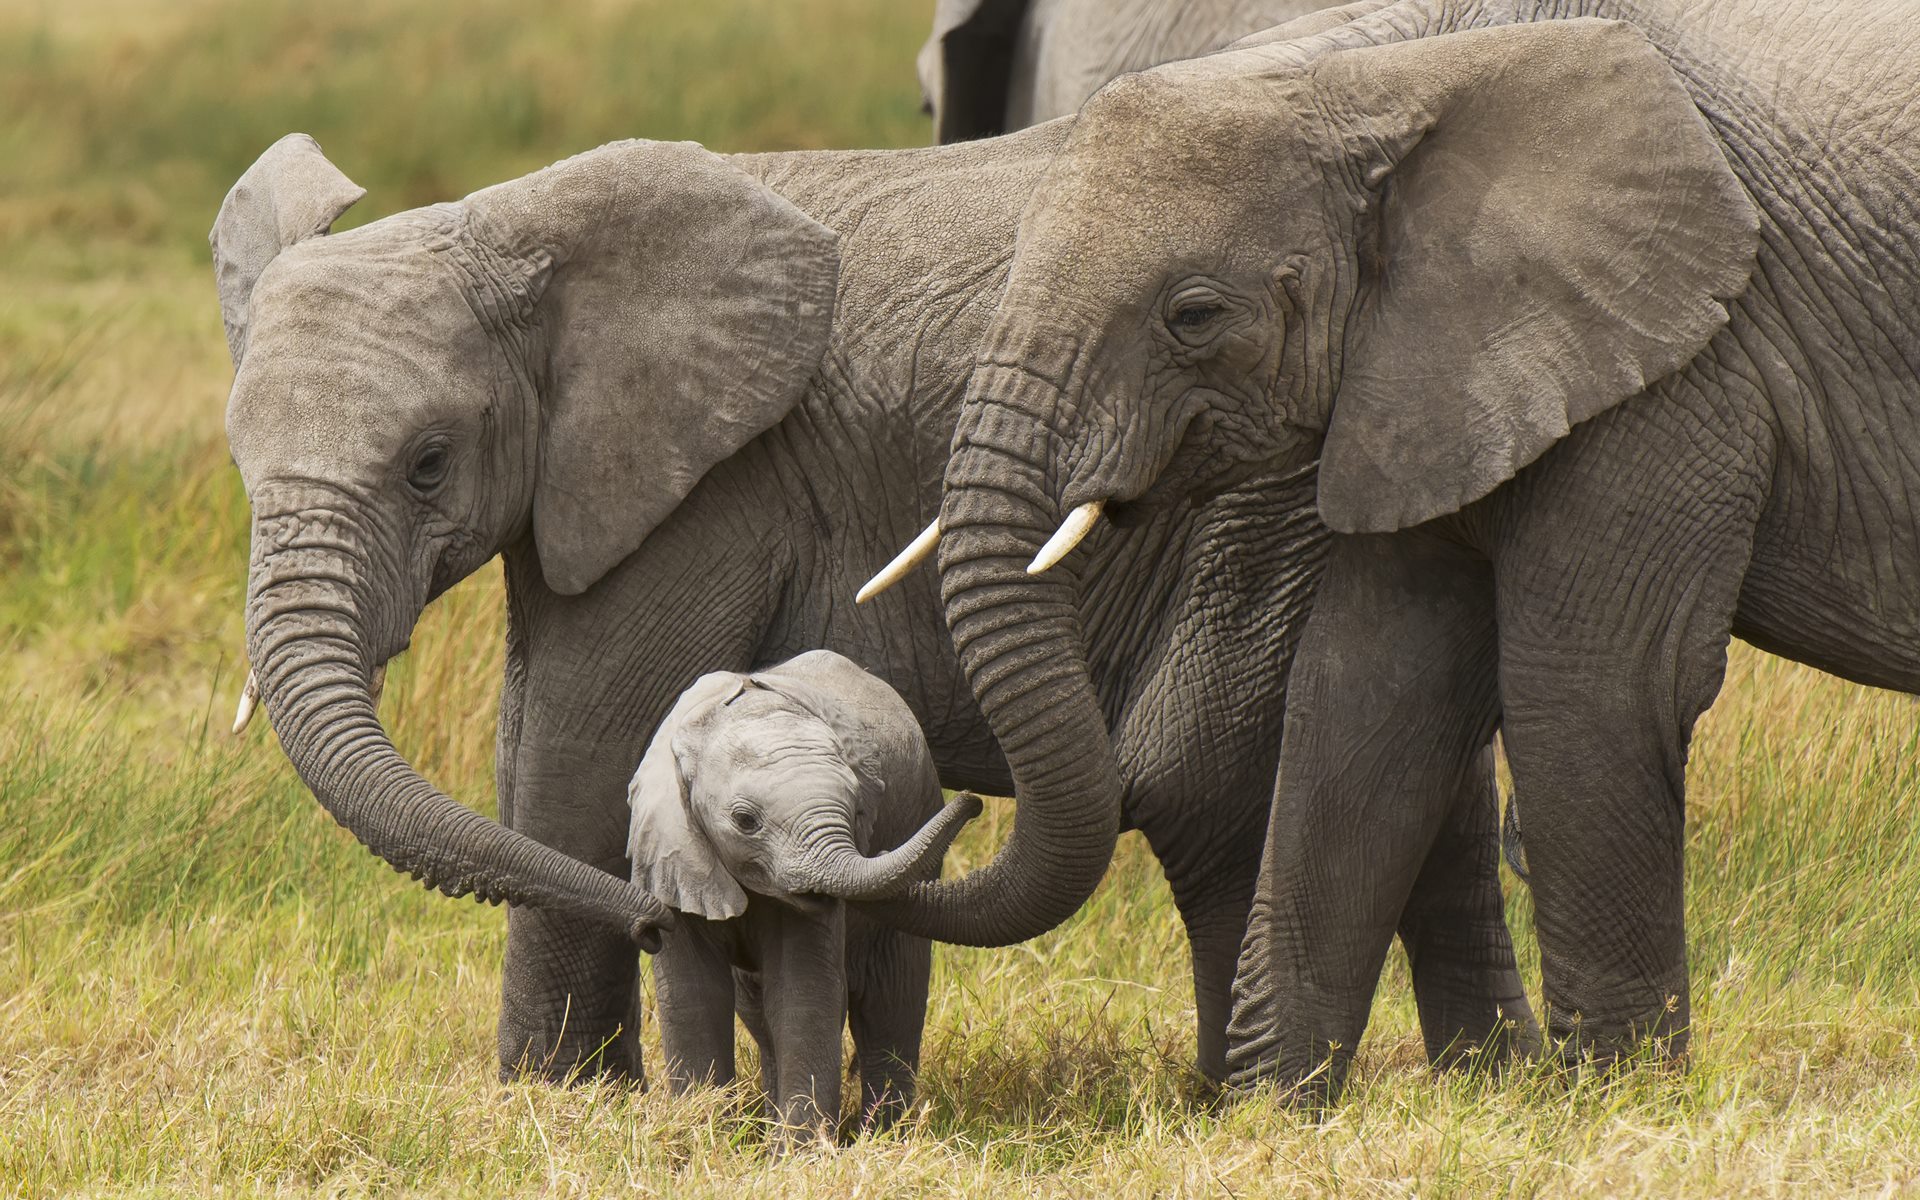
[249,700]
[915,553]
[1078,524]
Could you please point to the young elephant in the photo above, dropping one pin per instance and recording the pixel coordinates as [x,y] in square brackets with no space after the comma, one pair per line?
[763,804]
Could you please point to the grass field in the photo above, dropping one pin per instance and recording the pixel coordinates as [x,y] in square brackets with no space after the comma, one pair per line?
[206,986]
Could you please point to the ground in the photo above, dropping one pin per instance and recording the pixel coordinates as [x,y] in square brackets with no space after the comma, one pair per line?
[206,986]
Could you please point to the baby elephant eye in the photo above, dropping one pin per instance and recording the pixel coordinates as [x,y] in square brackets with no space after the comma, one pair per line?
[429,467]
[745,819]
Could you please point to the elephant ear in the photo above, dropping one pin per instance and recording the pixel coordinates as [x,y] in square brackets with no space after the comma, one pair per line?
[683,307]
[289,194]
[1557,228]
[672,859]
[966,66]
[877,732]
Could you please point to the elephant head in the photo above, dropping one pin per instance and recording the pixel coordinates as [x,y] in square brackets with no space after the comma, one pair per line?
[1421,261]
[767,784]
[562,356]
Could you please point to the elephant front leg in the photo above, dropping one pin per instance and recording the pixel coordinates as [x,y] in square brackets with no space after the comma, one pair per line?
[1390,701]
[568,1001]
[803,993]
[693,988]
[569,992]
[1212,880]
[1473,1005]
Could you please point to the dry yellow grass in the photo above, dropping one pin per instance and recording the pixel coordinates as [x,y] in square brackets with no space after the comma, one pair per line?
[205,986]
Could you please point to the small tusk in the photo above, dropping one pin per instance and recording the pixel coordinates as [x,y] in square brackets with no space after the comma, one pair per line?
[379,683]
[249,700]
[1078,524]
[915,553]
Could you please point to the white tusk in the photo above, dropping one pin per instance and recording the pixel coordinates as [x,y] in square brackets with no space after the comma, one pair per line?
[379,683]
[249,700]
[915,553]
[1078,524]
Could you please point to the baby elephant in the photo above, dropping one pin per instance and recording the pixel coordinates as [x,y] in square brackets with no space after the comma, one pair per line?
[764,802]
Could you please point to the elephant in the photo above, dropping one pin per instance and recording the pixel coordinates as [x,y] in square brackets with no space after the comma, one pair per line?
[994,66]
[1601,319]
[689,401]
[763,804]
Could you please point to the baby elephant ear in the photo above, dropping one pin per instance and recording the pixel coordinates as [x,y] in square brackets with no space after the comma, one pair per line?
[684,307]
[291,193]
[672,859]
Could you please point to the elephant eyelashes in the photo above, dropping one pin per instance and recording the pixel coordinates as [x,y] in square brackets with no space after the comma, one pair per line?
[1193,313]
[745,819]
[429,467]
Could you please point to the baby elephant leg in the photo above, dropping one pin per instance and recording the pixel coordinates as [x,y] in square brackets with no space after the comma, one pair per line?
[803,1001]
[887,975]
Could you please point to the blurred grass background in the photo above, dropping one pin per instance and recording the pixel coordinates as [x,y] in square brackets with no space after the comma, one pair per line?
[205,985]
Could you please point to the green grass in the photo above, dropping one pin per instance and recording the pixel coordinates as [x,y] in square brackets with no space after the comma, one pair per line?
[205,985]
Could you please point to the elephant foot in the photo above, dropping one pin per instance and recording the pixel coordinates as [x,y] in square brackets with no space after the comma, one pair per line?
[607,1063]
[1584,1048]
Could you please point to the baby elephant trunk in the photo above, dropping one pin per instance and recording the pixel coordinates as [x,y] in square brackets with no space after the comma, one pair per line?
[847,874]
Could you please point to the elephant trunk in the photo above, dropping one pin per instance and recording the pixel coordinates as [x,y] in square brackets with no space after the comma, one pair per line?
[308,639]
[1019,641]
[849,875]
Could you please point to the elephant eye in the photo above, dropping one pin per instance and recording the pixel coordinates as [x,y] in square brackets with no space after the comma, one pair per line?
[745,819]
[1193,309]
[429,467]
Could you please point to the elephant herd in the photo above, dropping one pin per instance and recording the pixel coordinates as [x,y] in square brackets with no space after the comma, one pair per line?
[1391,375]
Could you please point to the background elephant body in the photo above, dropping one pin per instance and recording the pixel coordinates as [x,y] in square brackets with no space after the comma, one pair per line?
[763,804]
[1604,341]
[993,66]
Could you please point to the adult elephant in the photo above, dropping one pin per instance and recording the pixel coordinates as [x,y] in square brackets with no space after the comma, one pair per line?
[625,375]
[1605,333]
[994,66]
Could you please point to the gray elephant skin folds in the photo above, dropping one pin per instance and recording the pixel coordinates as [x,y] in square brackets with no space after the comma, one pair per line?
[1275,408]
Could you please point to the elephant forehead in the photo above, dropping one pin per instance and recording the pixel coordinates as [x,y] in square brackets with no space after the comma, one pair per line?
[1161,173]
[766,734]
[350,349]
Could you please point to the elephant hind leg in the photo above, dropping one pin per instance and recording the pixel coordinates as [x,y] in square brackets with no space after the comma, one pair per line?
[1390,703]
[887,979]
[1473,1006]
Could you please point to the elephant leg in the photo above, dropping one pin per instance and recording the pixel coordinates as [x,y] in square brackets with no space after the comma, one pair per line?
[693,986]
[1600,704]
[887,977]
[803,994]
[1619,572]
[1212,881]
[569,989]
[1390,702]
[1473,1005]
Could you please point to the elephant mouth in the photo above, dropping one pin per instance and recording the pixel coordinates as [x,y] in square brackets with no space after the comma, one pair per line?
[811,904]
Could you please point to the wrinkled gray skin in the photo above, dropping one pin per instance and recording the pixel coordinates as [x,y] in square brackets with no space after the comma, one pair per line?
[652,533]
[1606,341]
[1187,621]
[994,66]
[763,803]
